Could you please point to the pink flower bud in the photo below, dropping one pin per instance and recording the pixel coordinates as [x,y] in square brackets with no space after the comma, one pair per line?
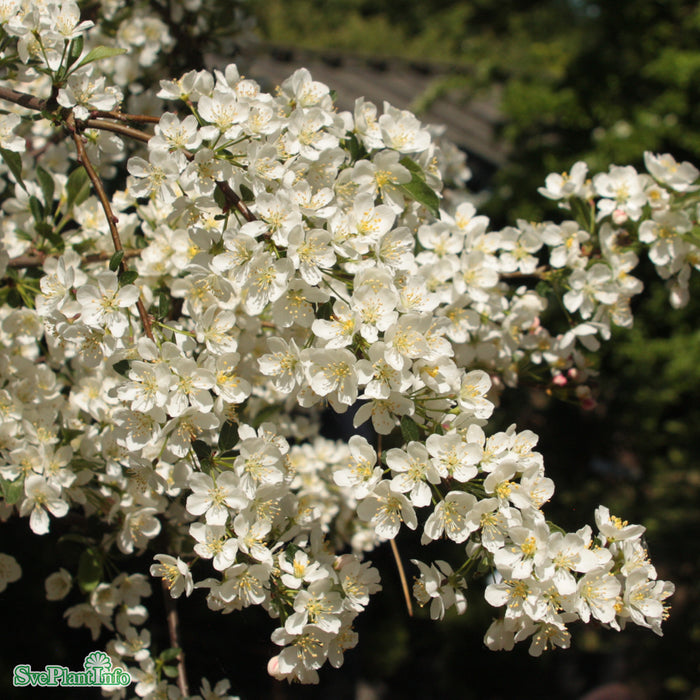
[619,217]
[273,668]
[559,380]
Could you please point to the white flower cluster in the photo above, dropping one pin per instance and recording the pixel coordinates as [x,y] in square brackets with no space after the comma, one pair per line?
[118,606]
[287,258]
[547,579]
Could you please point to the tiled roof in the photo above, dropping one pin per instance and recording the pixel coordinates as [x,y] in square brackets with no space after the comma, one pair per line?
[472,125]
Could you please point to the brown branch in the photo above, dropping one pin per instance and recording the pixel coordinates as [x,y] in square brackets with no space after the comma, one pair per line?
[117,129]
[38,257]
[233,200]
[22,99]
[96,183]
[84,160]
[31,102]
[74,126]
[395,550]
[402,576]
[120,116]
[173,633]
[538,273]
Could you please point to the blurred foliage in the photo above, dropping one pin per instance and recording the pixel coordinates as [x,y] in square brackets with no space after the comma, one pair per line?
[600,81]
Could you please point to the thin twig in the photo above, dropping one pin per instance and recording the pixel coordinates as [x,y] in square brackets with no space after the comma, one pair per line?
[173,633]
[120,116]
[31,102]
[395,550]
[84,160]
[538,273]
[117,129]
[38,258]
[402,576]
[232,199]
[74,126]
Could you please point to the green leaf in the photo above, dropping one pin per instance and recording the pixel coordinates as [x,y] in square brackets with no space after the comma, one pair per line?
[418,190]
[543,288]
[121,367]
[355,148]
[12,490]
[325,310]
[290,552]
[128,277]
[220,199]
[116,260]
[77,188]
[14,163]
[69,434]
[409,429]
[76,48]
[265,414]
[45,230]
[85,246]
[228,436]
[169,654]
[100,52]
[421,193]
[583,213]
[162,303]
[89,570]
[202,450]
[247,194]
[37,208]
[170,671]
[8,59]
[412,166]
[14,299]
[47,186]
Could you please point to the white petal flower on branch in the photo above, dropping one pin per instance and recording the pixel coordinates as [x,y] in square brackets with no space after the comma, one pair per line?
[385,510]
[41,499]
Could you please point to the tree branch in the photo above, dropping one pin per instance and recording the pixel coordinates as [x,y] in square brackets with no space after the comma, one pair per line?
[173,633]
[84,160]
[37,258]
[117,129]
[402,577]
[538,273]
[75,126]
[31,102]
[233,200]
[395,550]
[22,99]
[120,116]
